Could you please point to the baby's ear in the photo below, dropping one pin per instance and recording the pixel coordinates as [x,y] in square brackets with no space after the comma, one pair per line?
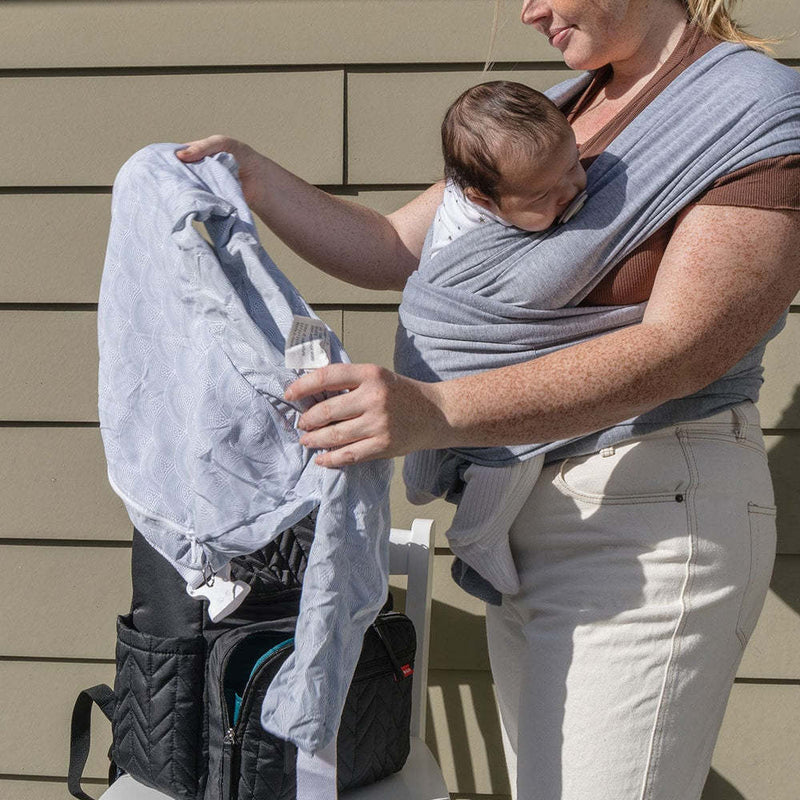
[479,198]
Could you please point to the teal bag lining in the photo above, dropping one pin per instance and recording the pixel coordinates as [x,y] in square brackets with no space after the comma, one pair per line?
[237,698]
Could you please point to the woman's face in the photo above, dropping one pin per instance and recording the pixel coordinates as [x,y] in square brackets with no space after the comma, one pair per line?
[592,33]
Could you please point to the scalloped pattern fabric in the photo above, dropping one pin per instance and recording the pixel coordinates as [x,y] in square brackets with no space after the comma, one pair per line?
[200,444]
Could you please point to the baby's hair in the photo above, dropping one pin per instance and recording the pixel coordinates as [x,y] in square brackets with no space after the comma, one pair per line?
[493,120]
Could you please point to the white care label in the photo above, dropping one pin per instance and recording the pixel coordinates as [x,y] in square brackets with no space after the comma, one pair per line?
[308,345]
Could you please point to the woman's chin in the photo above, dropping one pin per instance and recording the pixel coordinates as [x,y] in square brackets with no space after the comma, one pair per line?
[581,61]
[582,58]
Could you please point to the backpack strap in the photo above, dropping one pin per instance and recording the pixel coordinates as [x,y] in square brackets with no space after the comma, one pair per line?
[81,733]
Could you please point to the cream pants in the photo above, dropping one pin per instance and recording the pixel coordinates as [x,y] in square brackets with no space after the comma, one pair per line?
[643,571]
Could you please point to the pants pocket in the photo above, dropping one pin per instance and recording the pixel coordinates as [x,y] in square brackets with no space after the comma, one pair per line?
[158,719]
[762,557]
[648,470]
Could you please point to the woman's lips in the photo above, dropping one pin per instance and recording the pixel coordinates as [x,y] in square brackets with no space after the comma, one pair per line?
[558,36]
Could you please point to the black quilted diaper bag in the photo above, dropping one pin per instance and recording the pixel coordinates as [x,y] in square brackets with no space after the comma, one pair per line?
[186,704]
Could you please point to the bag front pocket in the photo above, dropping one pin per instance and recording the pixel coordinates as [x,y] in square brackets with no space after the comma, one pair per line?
[241,662]
[158,719]
[247,763]
[374,734]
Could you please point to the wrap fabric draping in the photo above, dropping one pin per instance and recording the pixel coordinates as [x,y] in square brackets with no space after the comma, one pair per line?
[498,296]
[200,443]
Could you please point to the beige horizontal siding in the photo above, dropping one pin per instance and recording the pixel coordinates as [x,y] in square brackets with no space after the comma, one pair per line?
[84,585]
[92,584]
[139,72]
[53,485]
[755,754]
[77,131]
[141,33]
[774,649]
[66,466]
[37,700]
[757,750]
[54,247]
[393,120]
[779,401]
[73,34]
[54,789]
[50,364]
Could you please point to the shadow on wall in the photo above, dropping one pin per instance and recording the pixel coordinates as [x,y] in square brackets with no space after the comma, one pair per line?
[784,462]
[717,788]
[469,706]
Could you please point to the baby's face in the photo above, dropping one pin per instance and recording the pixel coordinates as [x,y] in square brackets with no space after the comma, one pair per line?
[533,193]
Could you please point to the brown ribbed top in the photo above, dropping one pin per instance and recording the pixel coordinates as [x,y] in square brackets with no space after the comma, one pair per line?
[772,183]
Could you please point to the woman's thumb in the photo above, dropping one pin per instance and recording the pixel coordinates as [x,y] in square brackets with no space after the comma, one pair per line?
[189,152]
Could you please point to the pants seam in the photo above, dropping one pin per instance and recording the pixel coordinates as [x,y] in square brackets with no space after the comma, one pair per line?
[750,570]
[654,753]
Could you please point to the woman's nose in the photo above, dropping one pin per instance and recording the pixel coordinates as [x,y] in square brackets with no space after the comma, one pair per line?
[532,11]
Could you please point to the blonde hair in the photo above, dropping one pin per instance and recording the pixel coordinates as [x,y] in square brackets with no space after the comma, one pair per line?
[715,17]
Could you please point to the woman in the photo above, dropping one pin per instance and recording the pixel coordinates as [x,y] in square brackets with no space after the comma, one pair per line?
[644,562]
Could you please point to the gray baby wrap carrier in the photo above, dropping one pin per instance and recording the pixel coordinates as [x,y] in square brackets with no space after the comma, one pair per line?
[499,296]
[202,447]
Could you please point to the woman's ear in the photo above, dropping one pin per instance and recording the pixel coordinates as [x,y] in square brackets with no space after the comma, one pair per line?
[479,198]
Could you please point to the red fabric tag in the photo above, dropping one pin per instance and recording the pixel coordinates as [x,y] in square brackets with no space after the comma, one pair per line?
[407,670]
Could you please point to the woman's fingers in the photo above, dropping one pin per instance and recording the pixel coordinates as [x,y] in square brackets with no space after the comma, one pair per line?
[381,415]
[333,378]
[364,450]
[337,434]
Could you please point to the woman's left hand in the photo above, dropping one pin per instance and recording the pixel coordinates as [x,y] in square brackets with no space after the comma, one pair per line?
[380,415]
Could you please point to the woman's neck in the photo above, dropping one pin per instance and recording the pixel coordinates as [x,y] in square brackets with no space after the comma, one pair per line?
[632,73]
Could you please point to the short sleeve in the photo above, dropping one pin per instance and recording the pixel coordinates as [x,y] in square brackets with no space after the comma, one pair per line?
[772,183]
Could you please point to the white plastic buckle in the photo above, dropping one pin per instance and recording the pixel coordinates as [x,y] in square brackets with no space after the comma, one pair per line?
[224,595]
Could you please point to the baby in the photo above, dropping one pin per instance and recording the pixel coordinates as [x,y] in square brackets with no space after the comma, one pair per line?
[510,157]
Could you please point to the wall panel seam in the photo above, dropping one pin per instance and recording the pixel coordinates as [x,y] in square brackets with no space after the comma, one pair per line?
[10,776]
[54,660]
[365,68]
[370,67]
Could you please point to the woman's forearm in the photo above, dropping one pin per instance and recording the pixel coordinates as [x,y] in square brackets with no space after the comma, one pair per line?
[566,393]
[344,239]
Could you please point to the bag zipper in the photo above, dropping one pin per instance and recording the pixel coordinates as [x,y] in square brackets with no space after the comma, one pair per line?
[401,667]
[231,742]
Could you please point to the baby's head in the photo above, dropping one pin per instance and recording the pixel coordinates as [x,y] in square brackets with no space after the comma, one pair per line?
[511,150]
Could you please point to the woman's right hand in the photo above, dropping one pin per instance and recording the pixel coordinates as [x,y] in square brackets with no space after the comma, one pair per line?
[245,156]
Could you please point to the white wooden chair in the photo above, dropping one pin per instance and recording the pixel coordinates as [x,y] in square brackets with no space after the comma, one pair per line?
[411,554]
